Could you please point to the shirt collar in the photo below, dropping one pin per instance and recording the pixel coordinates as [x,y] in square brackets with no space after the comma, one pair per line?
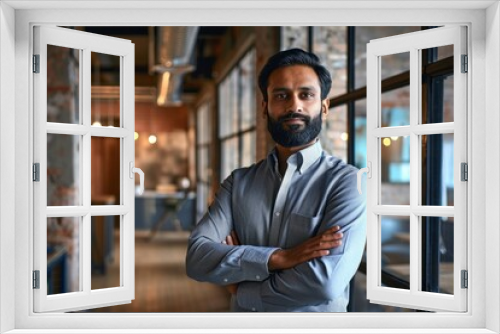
[303,158]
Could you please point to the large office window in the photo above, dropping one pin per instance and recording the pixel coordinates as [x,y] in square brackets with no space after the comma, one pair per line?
[237,115]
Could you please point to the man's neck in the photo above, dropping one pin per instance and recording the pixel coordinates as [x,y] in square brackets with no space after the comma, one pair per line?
[285,152]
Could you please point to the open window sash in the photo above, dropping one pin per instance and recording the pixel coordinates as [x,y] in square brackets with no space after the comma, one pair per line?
[80,132]
[416,297]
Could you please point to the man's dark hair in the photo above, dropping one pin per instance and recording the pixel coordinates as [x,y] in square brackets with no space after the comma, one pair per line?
[295,57]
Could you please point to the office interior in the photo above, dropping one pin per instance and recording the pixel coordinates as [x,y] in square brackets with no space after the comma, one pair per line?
[198,117]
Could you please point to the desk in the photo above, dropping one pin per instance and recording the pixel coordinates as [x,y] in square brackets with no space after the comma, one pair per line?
[151,206]
[445,279]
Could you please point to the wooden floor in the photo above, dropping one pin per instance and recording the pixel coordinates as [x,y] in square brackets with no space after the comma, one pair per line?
[161,284]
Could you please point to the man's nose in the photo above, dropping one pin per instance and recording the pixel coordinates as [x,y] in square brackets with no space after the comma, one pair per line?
[295,104]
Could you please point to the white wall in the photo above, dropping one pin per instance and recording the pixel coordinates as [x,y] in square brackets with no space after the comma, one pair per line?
[492,153]
[7,160]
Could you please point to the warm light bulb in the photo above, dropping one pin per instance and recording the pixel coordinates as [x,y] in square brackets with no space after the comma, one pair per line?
[96,123]
[152,139]
[386,142]
[344,136]
[394,138]
[136,136]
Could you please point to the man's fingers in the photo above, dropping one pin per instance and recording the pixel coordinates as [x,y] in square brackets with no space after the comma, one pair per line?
[234,236]
[229,240]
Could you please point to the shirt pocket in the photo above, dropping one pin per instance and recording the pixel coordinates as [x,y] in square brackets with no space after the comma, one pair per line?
[301,228]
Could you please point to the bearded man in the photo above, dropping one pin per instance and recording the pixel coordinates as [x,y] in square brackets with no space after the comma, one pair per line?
[287,233]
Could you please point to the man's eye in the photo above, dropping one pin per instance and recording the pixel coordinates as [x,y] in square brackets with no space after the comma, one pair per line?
[307,95]
[280,96]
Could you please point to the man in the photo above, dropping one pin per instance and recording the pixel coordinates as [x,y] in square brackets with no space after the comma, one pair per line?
[287,233]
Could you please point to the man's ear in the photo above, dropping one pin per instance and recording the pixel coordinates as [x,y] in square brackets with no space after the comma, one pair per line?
[325,106]
[264,109]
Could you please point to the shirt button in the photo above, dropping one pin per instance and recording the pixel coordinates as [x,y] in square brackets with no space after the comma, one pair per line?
[225,279]
[257,277]
[277,214]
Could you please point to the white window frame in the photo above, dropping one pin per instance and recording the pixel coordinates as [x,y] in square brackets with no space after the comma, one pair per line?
[85,43]
[413,44]
[483,122]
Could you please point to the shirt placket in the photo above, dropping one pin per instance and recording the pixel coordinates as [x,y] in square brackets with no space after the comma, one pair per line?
[279,204]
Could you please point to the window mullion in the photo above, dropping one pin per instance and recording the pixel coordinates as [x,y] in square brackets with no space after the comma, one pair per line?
[85,236]
[415,169]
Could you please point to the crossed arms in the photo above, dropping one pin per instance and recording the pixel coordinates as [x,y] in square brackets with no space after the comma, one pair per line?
[273,279]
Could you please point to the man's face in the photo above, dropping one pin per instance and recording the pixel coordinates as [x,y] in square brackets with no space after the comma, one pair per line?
[294,109]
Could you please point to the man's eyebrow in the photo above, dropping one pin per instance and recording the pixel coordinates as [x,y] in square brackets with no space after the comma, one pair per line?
[285,89]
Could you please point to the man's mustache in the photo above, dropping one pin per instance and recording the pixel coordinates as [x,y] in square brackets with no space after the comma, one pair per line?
[294,116]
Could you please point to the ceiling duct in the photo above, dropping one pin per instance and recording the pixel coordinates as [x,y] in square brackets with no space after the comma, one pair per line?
[171,50]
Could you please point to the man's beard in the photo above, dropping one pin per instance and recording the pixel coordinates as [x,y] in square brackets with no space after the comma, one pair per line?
[294,135]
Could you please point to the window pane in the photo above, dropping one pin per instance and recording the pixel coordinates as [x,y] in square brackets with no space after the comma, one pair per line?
[330,45]
[105,171]
[228,107]
[363,36]
[395,256]
[396,107]
[395,170]
[230,156]
[247,91]
[360,133]
[294,37]
[63,85]
[105,79]
[334,136]
[63,170]
[437,252]
[437,170]
[105,254]
[248,154]
[437,90]
[395,104]
[63,255]
[203,163]
[204,124]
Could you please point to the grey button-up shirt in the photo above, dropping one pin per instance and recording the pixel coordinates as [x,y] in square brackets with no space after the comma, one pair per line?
[269,212]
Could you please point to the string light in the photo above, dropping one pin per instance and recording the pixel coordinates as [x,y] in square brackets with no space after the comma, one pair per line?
[386,142]
[344,136]
[136,135]
[152,139]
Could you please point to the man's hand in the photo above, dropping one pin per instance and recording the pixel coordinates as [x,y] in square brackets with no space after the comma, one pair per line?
[314,247]
[232,240]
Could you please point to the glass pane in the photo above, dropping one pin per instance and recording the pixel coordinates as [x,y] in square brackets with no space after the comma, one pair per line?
[395,170]
[204,124]
[360,133]
[437,170]
[330,45]
[105,254]
[437,90]
[63,255]
[203,163]
[63,85]
[228,107]
[248,154]
[437,252]
[63,170]
[105,171]
[294,37]
[248,81]
[334,136]
[230,156]
[395,107]
[363,35]
[395,251]
[105,79]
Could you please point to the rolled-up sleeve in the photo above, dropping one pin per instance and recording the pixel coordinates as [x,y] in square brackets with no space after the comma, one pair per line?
[208,259]
[324,279]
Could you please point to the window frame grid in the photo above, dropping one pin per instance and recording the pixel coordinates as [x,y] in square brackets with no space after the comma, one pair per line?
[415,43]
[86,43]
